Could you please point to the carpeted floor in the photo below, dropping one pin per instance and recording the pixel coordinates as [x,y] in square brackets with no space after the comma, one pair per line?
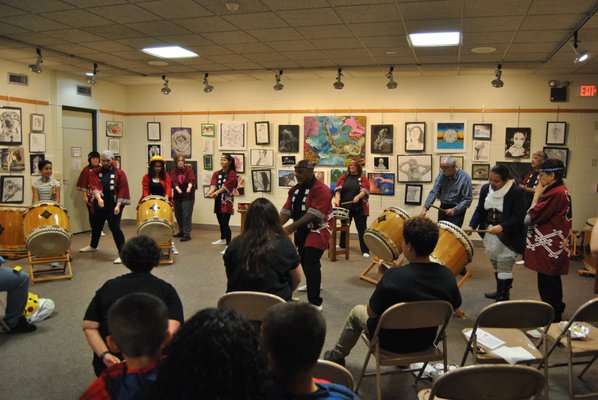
[55,361]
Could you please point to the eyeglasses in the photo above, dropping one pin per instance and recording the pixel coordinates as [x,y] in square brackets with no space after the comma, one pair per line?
[445,166]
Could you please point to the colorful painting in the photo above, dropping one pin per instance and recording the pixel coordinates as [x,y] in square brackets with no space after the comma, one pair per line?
[334,140]
[450,137]
[382,183]
[286,178]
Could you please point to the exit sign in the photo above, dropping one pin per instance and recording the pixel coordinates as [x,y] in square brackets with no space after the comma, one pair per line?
[587,90]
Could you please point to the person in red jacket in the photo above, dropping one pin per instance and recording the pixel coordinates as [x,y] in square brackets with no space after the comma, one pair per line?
[222,185]
[183,181]
[156,182]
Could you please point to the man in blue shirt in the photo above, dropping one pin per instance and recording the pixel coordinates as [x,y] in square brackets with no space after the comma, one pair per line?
[453,188]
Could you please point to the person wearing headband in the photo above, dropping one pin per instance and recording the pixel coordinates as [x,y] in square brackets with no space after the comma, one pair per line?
[93,161]
[221,190]
[530,181]
[549,225]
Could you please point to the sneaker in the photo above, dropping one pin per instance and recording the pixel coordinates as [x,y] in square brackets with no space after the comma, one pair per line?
[334,356]
[304,288]
[319,308]
[520,262]
[178,235]
[102,233]
[220,241]
[174,250]
[224,251]
[22,326]
[88,249]
[366,255]
[185,238]
[118,261]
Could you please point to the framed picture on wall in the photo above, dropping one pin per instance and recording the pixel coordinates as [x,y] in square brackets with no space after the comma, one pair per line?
[480,150]
[382,139]
[287,160]
[154,132]
[286,178]
[180,142]
[261,158]
[288,138]
[321,175]
[482,131]
[262,132]
[415,136]
[114,128]
[556,132]
[414,168]
[233,135]
[208,162]
[559,153]
[208,130]
[37,122]
[239,161]
[413,194]
[450,137]
[12,159]
[517,142]
[381,163]
[37,142]
[261,180]
[12,189]
[458,159]
[517,170]
[153,150]
[382,183]
[206,190]
[114,145]
[480,172]
[34,160]
[11,127]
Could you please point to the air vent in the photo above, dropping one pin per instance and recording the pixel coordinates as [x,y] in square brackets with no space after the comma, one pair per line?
[18,79]
[84,90]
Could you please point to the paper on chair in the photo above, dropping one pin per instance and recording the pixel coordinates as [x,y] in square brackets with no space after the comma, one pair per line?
[486,339]
[513,355]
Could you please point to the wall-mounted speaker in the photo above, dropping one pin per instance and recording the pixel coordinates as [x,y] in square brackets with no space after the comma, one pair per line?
[558,94]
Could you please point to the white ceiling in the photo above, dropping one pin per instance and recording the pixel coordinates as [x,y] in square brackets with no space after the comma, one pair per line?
[306,38]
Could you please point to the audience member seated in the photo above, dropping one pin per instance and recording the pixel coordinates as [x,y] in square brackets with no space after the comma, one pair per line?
[419,280]
[292,338]
[262,258]
[138,325]
[140,254]
[214,355]
[16,284]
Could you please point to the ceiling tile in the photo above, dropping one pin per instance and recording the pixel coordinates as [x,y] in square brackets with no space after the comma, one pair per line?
[490,8]
[256,21]
[36,23]
[39,6]
[434,9]
[8,11]
[35,39]
[206,24]
[385,41]
[247,48]
[224,38]
[7,29]
[78,18]
[557,6]
[74,36]
[491,24]
[433,25]
[541,22]
[214,51]
[108,46]
[344,43]
[378,29]
[218,7]
[294,4]
[483,38]
[289,45]
[125,13]
[325,31]
[228,58]
[94,3]
[259,57]
[185,40]
[368,13]
[276,33]
[172,9]
[158,28]
[141,43]
[114,32]
[306,55]
[315,16]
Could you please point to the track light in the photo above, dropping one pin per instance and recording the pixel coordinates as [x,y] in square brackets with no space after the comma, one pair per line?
[37,67]
[165,89]
[91,77]
[277,77]
[207,88]
[338,84]
[391,82]
[497,83]
[580,55]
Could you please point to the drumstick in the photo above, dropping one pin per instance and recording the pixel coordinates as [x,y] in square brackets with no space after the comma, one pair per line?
[438,208]
[346,202]
[480,230]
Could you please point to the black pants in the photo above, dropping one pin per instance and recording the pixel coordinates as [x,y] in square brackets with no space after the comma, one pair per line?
[183,211]
[310,260]
[361,222]
[551,292]
[223,221]
[99,218]
[456,219]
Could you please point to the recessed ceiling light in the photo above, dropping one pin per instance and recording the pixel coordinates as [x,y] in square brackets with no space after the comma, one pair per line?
[483,50]
[434,39]
[157,63]
[169,52]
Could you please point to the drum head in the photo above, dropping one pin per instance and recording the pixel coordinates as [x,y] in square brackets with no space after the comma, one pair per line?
[381,245]
[399,211]
[48,241]
[159,230]
[460,235]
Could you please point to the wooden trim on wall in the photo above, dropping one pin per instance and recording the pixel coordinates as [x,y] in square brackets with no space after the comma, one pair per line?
[24,100]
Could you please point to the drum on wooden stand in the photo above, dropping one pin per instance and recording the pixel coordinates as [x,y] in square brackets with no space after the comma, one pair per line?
[340,213]
[454,249]
[47,229]
[154,218]
[12,240]
[588,260]
[384,237]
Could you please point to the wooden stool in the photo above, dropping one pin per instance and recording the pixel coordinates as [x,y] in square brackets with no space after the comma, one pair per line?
[342,227]
[166,257]
[65,271]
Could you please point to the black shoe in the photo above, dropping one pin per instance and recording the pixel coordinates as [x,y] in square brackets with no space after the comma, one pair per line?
[331,355]
[491,295]
[22,326]
[178,235]
[185,238]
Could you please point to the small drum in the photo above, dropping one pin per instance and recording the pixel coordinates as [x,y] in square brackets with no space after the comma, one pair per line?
[384,237]
[12,240]
[340,213]
[587,252]
[454,249]
[47,229]
[154,218]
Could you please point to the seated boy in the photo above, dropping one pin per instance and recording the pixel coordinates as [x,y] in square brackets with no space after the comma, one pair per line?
[138,327]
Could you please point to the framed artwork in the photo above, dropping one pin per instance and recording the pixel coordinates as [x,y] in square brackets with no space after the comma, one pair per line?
[154,132]
[559,153]
[381,163]
[382,139]
[261,180]
[382,183]
[114,128]
[114,145]
[233,135]
[556,132]
[288,138]
[480,172]
[288,160]
[335,174]
[458,159]
[517,170]
[482,131]
[206,190]
[37,122]
[480,150]
[239,161]
[208,162]
[476,188]
[76,151]
[34,160]
[262,132]
[413,194]
[208,129]
[118,161]
[240,189]
[414,168]
[208,146]
[450,137]
[333,141]
[206,177]
[153,150]
[12,189]
[170,165]
[37,142]
[320,175]
[12,159]
[261,158]
[415,136]
[517,142]
[11,128]
[180,142]
[286,178]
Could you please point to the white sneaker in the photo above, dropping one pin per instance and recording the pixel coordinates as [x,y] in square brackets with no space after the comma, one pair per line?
[118,261]
[520,262]
[174,250]
[102,233]
[366,255]
[224,251]
[304,288]
[319,308]
[220,241]
[88,249]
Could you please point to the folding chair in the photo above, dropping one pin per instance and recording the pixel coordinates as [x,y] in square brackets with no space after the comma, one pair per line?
[505,320]
[475,382]
[587,347]
[411,315]
[3,326]
[251,305]
[334,373]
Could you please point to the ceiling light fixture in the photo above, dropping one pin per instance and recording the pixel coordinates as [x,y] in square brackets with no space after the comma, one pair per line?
[170,52]
[278,86]
[338,84]
[434,39]
[207,88]
[165,89]
[580,55]
[391,82]
[497,83]
[37,67]
[91,76]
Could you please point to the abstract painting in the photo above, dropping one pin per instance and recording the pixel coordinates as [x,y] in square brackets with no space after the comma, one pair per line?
[450,137]
[382,183]
[233,135]
[334,141]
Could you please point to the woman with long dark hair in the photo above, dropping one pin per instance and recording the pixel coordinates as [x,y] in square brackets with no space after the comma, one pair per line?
[262,258]
[156,182]
[222,185]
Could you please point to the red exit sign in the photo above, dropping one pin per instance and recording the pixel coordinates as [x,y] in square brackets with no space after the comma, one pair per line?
[587,90]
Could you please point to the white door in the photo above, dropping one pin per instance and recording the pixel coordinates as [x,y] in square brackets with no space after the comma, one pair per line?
[77,136]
